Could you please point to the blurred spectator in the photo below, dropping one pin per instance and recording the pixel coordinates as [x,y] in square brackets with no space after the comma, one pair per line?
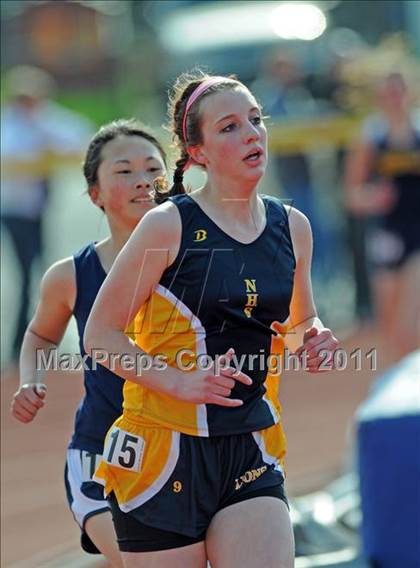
[383,184]
[283,95]
[35,132]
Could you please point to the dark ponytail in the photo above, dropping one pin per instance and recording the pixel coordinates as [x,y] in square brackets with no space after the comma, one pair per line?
[161,188]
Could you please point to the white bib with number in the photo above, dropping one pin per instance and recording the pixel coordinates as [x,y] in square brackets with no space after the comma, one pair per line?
[89,464]
[124,450]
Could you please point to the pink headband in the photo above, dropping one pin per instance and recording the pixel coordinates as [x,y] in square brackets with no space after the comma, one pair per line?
[202,88]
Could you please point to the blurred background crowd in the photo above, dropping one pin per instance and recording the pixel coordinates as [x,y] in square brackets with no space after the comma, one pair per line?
[319,71]
[339,81]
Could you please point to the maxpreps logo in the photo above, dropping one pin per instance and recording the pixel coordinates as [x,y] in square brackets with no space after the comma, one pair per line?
[200,235]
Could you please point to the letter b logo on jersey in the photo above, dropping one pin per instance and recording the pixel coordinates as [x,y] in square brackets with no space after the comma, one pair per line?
[200,235]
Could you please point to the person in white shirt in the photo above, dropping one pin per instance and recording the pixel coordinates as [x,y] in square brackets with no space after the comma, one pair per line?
[33,127]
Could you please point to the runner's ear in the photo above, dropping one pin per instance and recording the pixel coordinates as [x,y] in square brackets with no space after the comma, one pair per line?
[197,154]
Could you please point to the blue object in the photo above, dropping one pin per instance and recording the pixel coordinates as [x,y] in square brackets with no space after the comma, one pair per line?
[102,403]
[388,436]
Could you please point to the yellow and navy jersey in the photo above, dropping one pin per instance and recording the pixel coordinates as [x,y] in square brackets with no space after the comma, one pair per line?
[218,293]
[400,164]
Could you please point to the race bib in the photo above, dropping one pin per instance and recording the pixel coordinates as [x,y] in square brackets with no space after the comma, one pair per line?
[124,450]
[89,464]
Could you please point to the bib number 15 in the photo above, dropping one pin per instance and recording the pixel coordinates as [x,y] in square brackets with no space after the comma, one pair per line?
[124,450]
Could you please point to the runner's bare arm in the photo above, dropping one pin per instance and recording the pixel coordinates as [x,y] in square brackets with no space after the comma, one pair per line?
[303,312]
[137,269]
[44,332]
[306,332]
[356,173]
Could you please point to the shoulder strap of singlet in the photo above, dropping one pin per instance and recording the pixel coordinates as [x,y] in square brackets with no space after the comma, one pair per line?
[85,260]
[185,205]
[277,211]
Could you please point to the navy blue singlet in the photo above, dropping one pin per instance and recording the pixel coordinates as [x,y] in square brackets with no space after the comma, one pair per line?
[402,167]
[102,403]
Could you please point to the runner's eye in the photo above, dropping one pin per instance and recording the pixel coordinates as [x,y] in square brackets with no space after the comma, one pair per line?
[229,127]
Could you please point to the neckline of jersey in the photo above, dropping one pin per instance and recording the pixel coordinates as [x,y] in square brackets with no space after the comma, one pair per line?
[240,243]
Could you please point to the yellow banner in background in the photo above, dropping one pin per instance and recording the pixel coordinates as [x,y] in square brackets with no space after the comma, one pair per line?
[41,166]
[285,138]
[300,137]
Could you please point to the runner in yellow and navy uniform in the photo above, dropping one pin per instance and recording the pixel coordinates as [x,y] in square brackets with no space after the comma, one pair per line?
[217,293]
[193,445]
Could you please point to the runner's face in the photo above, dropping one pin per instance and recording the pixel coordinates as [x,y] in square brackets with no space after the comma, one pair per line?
[129,166]
[234,136]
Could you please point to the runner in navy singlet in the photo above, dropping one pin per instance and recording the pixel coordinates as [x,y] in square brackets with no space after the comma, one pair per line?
[383,184]
[121,163]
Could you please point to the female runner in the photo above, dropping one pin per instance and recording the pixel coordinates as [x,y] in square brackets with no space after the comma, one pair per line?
[194,467]
[383,183]
[120,165]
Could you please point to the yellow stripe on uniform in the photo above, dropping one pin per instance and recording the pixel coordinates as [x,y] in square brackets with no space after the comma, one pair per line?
[165,326]
[272,444]
[272,381]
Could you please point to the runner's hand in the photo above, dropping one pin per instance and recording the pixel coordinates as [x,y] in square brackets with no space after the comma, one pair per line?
[27,401]
[319,346]
[205,387]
